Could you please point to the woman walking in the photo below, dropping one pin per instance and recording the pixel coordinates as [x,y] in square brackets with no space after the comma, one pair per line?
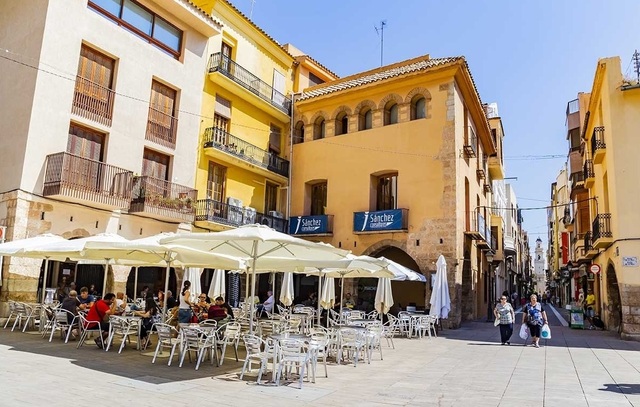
[504,312]
[184,311]
[534,316]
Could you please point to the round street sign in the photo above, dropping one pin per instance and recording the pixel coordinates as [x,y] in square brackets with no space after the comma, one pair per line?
[595,269]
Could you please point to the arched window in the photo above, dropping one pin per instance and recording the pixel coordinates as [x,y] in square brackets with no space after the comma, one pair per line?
[298,133]
[318,128]
[342,124]
[366,119]
[418,107]
[391,113]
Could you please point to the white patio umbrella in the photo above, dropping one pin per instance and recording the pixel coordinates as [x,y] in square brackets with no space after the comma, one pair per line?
[16,248]
[217,287]
[148,251]
[74,249]
[286,293]
[192,274]
[384,296]
[327,298]
[359,267]
[440,299]
[403,273]
[262,248]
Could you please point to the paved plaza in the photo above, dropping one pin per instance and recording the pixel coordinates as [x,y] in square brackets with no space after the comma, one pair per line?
[462,367]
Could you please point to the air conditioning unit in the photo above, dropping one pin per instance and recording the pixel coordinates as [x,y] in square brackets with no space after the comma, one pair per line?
[276,222]
[276,214]
[235,213]
[266,221]
[249,215]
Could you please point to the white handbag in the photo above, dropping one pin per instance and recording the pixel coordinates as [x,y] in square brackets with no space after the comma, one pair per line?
[524,331]
[496,322]
[545,332]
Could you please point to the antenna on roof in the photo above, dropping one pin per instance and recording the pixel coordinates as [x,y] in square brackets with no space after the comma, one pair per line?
[251,12]
[636,65]
[380,32]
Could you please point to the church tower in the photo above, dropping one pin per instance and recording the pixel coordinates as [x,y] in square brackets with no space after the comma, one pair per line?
[538,267]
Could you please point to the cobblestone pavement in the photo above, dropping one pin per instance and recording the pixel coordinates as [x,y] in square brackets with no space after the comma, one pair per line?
[462,367]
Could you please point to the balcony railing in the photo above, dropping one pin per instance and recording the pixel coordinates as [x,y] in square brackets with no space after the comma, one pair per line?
[229,68]
[93,101]
[587,243]
[577,180]
[476,226]
[471,143]
[587,170]
[597,140]
[311,225]
[87,180]
[219,212]
[163,199]
[223,141]
[161,128]
[601,226]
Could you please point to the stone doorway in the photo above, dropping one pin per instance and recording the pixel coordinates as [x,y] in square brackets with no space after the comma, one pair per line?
[613,303]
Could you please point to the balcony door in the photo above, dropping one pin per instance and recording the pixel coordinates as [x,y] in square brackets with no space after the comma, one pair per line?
[83,171]
[387,192]
[216,180]
[155,166]
[270,197]
[225,52]
[318,199]
[162,113]
[94,84]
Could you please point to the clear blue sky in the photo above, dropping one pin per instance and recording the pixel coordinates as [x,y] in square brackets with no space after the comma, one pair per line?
[531,57]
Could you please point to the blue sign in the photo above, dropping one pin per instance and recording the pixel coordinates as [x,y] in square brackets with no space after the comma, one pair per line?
[308,225]
[482,227]
[377,221]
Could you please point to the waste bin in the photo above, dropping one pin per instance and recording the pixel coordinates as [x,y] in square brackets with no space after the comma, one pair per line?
[576,318]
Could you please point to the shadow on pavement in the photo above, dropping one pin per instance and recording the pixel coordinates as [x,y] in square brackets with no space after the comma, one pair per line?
[129,364]
[622,388]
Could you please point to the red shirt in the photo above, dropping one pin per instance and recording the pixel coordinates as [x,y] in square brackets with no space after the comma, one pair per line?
[98,311]
[216,312]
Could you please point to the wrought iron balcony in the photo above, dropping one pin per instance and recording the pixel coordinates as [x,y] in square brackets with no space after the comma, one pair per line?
[476,226]
[601,230]
[589,174]
[577,180]
[223,141]
[70,176]
[597,144]
[161,128]
[471,143]
[311,225]
[160,199]
[93,101]
[229,68]
[225,214]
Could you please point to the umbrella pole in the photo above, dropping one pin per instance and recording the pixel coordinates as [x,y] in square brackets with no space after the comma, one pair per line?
[319,296]
[273,285]
[341,297]
[253,285]
[166,287]
[44,280]
[135,285]
[104,280]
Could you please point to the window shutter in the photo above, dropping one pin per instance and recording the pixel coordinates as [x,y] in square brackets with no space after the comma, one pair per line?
[223,107]
[274,139]
[155,165]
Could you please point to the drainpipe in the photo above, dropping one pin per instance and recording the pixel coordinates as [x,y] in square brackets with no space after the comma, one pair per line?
[291,129]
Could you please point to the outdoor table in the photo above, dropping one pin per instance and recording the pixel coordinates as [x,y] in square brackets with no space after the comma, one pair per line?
[361,321]
[286,336]
[137,322]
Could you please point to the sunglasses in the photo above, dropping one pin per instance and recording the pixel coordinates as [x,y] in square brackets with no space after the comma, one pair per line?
[503,298]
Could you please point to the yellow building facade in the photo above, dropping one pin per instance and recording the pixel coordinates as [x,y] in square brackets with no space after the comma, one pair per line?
[611,153]
[386,163]
[242,175]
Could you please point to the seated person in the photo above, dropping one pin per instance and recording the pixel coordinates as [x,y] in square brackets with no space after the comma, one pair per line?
[267,305]
[312,301]
[150,310]
[92,290]
[61,293]
[121,304]
[217,311]
[171,301]
[347,303]
[226,306]
[86,300]
[100,313]
[71,304]
[202,303]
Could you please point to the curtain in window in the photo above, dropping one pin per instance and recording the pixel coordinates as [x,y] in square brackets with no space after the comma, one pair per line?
[318,199]
[270,198]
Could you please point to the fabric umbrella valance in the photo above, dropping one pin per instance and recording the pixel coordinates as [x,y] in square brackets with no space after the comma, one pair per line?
[403,273]
[17,248]
[262,248]
[440,299]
